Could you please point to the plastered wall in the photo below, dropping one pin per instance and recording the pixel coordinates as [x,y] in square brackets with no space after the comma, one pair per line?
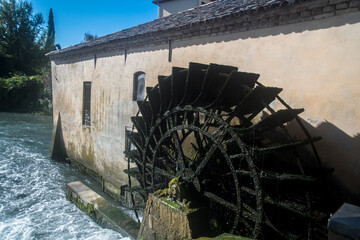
[317,63]
[168,8]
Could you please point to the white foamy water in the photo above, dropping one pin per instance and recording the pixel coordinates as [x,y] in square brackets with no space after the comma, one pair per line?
[32,187]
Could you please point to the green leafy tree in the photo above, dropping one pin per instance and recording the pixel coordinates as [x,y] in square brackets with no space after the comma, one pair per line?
[89,36]
[21,38]
[21,93]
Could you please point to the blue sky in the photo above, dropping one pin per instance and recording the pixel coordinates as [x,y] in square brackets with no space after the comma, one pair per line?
[73,18]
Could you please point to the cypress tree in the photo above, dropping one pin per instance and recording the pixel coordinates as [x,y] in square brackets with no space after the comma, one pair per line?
[50,39]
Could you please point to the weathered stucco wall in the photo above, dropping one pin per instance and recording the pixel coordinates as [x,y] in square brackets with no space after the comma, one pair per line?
[316,63]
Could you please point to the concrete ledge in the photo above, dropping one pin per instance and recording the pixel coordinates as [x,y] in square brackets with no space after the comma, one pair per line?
[110,186]
[104,213]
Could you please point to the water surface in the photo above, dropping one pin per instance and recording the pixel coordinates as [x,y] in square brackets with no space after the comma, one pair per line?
[33,204]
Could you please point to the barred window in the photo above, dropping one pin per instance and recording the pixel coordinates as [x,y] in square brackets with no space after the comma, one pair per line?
[86,104]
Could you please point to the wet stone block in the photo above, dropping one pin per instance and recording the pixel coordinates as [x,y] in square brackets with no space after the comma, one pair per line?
[100,210]
[345,223]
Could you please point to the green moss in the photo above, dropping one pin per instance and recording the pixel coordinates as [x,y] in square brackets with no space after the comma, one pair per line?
[89,208]
[85,170]
[225,236]
[173,205]
[186,203]
[162,192]
[175,181]
[87,153]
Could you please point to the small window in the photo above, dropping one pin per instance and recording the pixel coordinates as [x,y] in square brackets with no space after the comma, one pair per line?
[128,144]
[139,86]
[86,104]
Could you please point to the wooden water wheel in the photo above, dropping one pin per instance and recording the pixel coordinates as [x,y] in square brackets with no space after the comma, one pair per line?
[213,126]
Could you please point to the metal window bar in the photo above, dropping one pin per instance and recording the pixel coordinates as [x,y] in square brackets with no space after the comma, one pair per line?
[86,104]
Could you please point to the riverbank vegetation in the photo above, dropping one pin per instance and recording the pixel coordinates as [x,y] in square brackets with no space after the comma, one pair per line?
[25,84]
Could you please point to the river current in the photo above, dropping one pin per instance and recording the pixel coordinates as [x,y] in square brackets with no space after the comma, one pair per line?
[33,204]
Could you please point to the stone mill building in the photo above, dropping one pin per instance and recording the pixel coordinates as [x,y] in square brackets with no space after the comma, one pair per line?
[309,48]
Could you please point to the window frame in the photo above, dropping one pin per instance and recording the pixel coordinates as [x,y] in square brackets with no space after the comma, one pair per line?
[86,117]
[136,84]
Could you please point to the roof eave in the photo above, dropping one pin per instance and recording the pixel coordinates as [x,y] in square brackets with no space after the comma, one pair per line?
[160,1]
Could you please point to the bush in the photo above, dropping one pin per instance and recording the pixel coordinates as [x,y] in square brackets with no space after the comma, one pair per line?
[21,93]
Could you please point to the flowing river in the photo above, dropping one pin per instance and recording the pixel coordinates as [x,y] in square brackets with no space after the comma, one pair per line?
[32,187]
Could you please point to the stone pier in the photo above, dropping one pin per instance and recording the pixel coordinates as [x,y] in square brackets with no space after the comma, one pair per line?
[166,219]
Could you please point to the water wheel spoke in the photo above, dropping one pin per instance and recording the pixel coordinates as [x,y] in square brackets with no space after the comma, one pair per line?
[199,143]
[236,156]
[297,208]
[161,171]
[136,140]
[248,228]
[133,172]
[250,214]
[286,146]
[229,141]
[168,153]
[184,117]
[206,124]
[219,129]
[164,173]
[180,153]
[267,175]
[221,201]
[194,158]
[286,235]
[206,159]
[196,121]
[287,177]
[133,155]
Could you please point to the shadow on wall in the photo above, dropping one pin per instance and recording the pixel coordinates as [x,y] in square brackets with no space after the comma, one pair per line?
[341,152]
[312,25]
[57,145]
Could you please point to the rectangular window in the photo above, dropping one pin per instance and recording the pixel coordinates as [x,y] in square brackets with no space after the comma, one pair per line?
[128,145]
[139,86]
[86,104]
